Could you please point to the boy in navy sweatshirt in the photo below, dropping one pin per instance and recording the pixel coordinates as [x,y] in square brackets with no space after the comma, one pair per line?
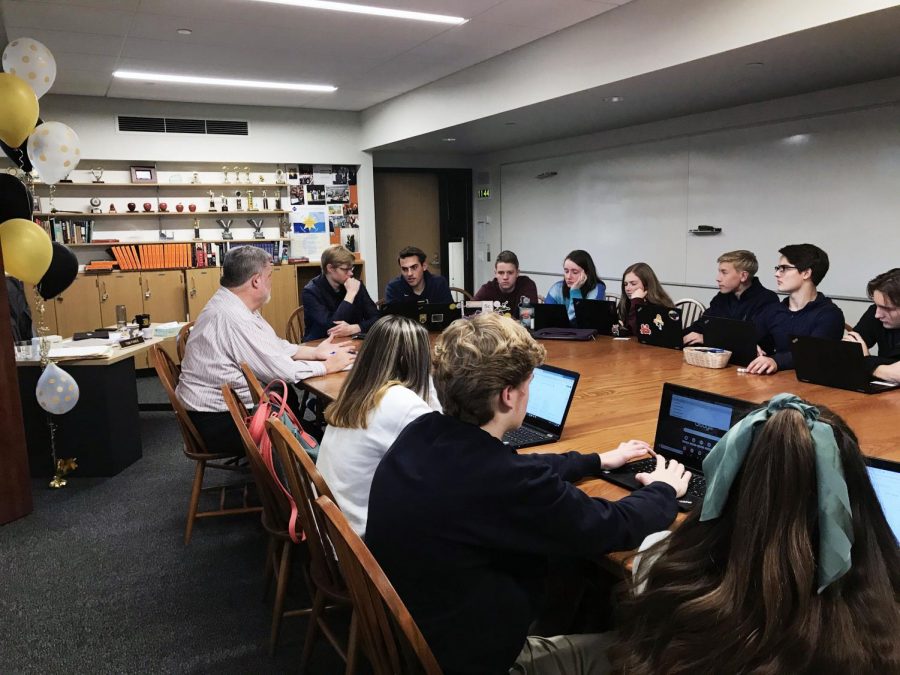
[880,325]
[804,312]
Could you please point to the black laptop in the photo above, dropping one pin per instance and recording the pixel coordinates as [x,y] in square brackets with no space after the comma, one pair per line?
[738,337]
[549,398]
[690,423]
[435,316]
[835,363]
[600,315]
[550,316]
[659,326]
[885,477]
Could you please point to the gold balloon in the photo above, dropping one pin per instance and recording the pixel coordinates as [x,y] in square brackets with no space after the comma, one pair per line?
[18,110]
[27,250]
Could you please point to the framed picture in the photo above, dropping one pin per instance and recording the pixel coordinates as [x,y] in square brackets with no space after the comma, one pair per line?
[143,174]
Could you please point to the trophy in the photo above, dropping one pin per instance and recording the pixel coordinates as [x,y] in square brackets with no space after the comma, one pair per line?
[262,179]
[226,228]
[278,201]
[212,201]
[224,203]
[225,169]
[95,205]
[247,171]
[279,177]
[196,228]
[250,206]
[257,224]
[238,205]
[237,174]
[97,173]
[195,179]
[265,204]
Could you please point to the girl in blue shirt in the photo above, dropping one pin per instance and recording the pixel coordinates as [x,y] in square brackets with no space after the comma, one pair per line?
[579,281]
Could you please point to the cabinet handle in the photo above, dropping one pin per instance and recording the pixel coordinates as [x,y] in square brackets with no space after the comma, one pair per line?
[104,296]
[147,292]
[193,288]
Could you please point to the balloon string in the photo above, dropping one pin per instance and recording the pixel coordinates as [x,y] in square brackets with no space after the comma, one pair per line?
[44,345]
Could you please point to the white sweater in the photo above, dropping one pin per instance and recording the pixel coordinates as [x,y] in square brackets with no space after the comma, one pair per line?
[348,457]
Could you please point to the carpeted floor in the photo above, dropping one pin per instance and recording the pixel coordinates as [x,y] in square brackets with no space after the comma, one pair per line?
[98,580]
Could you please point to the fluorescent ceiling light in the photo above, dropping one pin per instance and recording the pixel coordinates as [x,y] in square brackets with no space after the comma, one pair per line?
[368,9]
[221,81]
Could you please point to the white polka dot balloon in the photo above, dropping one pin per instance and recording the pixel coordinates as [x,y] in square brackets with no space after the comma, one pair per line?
[32,61]
[54,149]
[56,391]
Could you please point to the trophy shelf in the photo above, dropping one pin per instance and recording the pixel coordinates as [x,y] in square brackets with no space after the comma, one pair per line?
[156,186]
[107,244]
[156,214]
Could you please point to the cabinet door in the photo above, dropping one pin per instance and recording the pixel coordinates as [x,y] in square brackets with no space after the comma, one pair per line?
[201,286]
[78,307]
[284,298]
[49,311]
[123,288]
[164,295]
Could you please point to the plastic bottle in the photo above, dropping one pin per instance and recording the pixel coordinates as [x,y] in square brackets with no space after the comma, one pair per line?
[526,312]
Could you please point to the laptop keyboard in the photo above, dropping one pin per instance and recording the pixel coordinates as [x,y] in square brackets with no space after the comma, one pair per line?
[523,435]
[696,487]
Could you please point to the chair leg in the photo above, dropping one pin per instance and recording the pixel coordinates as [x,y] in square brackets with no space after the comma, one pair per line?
[267,570]
[352,644]
[195,500]
[318,606]
[284,574]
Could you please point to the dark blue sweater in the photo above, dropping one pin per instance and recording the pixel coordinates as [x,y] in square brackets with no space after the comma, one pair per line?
[777,324]
[436,290]
[873,332]
[744,308]
[463,525]
[322,306]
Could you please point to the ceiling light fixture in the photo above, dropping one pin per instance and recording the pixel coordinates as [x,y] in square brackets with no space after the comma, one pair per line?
[222,81]
[184,31]
[755,64]
[614,99]
[367,9]
[448,140]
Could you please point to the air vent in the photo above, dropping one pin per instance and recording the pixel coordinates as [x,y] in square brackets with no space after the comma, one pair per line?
[175,125]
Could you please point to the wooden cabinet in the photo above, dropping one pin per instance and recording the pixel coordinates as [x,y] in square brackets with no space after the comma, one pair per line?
[122,288]
[284,298]
[202,283]
[78,307]
[164,298]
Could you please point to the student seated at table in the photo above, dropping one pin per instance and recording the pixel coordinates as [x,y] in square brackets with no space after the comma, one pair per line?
[335,303]
[741,296]
[508,285]
[389,387]
[805,311]
[415,283]
[880,325]
[640,286]
[463,525]
[230,331]
[579,280]
[789,566]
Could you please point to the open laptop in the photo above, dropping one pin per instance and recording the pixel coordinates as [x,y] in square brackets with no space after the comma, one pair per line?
[435,316]
[549,398]
[659,326]
[600,315]
[550,316]
[834,363]
[885,477]
[690,423]
[738,337]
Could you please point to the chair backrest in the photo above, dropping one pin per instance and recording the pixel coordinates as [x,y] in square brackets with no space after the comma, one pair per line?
[611,296]
[391,637]
[691,310]
[276,509]
[168,375]
[296,326]
[256,388]
[305,484]
[181,339]
[455,292]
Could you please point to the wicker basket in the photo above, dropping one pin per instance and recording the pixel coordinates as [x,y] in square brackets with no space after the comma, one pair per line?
[706,357]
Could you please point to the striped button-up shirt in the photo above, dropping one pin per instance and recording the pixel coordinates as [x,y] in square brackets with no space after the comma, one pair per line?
[225,335]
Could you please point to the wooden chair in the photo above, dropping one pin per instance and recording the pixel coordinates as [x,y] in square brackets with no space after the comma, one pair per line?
[256,388]
[391,638]
[612,296]
[691,310]
[306,483]
[196,450]
[296,327]
[455,291]
[276,515]
[181,339]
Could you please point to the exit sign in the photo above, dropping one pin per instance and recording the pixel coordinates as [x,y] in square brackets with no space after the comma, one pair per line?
[484,193]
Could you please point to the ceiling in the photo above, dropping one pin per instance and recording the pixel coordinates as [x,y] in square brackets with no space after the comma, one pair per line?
[370,59]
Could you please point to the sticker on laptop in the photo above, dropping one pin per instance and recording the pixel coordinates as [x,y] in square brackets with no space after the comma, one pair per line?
[658,322]
[645,329]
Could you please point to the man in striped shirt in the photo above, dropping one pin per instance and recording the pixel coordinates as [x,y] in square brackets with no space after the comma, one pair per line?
[230,331]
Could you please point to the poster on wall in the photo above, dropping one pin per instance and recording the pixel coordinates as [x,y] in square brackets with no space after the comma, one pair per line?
[304,174]
[309,234]
[296,195]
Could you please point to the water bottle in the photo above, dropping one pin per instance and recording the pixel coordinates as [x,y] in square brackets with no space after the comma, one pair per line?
[526,312]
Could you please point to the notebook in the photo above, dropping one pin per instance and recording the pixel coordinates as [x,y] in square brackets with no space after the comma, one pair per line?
[690,423]
[600,315]
[659,326]
[834,363]
[550,316]
[549,398]
[435,316]
[738,337]
[885,477]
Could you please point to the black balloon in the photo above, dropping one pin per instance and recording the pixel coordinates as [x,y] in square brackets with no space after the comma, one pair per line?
[19,155]
[15,200]
[61,273]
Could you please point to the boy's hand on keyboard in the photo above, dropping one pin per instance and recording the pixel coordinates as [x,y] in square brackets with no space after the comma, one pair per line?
[626,452]
[674,474]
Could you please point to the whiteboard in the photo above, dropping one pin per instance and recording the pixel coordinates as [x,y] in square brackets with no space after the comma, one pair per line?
[833,181]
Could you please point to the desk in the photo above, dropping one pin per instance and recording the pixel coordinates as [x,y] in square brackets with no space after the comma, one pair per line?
[103,429]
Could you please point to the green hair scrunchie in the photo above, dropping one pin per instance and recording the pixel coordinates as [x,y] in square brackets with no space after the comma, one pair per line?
[722,464]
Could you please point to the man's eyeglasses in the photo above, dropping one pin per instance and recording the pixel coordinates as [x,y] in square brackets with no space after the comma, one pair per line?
[781,269]
[346,270]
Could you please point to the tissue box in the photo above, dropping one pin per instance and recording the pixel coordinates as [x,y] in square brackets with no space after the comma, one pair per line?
[167,329]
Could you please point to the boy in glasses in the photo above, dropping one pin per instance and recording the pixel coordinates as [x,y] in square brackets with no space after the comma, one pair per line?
[335,303]
[804,312]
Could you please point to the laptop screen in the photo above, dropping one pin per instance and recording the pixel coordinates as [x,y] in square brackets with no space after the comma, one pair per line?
[887,488]
[691,422]
[549,396]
